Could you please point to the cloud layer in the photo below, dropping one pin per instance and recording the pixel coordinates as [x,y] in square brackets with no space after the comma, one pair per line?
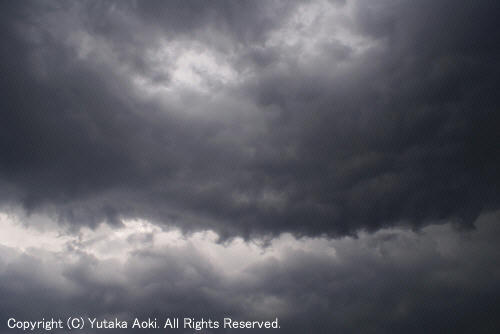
[438,280]
[331,163]
[251,118]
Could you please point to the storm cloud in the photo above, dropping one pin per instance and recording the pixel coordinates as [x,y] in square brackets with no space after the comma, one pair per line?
[251,118]
[330,163]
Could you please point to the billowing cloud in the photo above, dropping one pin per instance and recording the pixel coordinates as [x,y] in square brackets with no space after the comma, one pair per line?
[330,163]
[250,119]
[395,280]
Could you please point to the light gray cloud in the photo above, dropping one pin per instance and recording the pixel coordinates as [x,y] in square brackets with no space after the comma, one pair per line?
[438,279]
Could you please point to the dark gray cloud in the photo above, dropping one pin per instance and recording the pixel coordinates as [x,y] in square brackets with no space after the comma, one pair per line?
[290,118]
[282,123]
[436,280]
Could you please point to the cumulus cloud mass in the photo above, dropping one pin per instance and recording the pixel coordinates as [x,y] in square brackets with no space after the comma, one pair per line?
[333,164]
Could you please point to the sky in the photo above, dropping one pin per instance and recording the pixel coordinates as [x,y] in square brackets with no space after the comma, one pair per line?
[333,164]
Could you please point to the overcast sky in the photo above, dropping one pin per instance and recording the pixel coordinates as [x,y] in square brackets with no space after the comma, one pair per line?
[331,163]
